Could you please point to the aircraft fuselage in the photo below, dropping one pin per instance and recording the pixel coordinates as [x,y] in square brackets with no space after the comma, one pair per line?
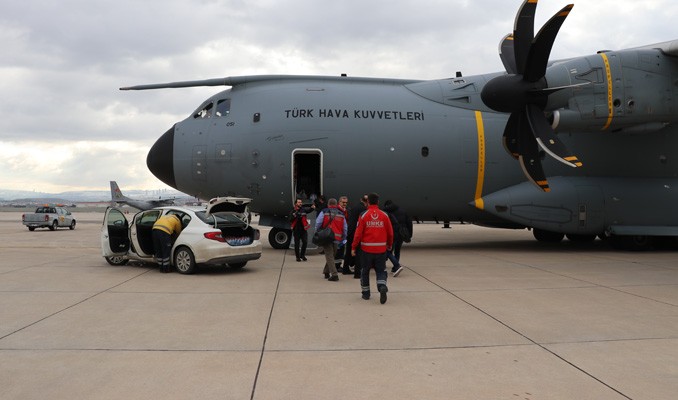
[435,148]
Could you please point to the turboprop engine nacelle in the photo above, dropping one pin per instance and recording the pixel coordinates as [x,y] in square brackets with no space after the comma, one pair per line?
[633,91]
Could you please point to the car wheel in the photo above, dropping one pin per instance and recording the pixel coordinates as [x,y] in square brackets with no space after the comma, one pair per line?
[184,261]
[239,265]
[31,228]
[280,238]
[117,260]
[54,225]
[72,225]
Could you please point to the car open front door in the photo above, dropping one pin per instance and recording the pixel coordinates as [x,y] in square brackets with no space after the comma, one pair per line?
[114,233]
[141,232]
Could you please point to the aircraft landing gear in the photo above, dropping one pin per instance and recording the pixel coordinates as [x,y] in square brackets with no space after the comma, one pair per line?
[632,242]
[547,236]
[577,238]
[280,238]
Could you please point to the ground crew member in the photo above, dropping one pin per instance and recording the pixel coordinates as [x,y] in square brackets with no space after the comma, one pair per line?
[164,229]
[374,236]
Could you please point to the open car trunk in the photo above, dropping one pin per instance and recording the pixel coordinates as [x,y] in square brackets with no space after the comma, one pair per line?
[231,216]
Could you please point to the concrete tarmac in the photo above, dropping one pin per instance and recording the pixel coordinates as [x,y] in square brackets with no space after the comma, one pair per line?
[479,313]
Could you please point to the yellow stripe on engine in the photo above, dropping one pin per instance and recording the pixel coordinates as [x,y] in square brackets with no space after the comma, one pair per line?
[481,161]
[608,75]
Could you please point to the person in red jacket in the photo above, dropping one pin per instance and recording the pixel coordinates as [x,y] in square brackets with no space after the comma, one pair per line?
[374,236]
[333,218]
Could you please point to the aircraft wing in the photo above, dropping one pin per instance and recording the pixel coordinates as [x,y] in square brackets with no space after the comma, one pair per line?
[239,80]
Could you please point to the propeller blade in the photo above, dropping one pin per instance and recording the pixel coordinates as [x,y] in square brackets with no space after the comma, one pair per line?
[539,52]
[507,54]
[524,93]
[534,172]
[530,162]
[523,33]
[547,139]
[516,124]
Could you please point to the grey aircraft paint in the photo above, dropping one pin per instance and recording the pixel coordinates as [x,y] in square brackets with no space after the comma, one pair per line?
[437,149]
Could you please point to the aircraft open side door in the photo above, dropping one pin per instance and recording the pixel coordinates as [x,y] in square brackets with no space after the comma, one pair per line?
[307,174]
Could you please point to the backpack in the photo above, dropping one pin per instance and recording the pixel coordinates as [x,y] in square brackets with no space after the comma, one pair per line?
[400,229]
[404,234]
[325,235]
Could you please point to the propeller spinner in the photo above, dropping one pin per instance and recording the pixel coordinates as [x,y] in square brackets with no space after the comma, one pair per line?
[524,92]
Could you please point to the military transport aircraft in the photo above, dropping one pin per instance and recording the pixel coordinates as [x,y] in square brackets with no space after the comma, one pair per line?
[143,205]
[582,147]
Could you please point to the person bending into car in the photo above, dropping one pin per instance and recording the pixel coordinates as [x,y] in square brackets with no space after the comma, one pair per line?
[164,229]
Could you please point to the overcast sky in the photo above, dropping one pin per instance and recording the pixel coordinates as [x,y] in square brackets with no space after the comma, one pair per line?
[64,125]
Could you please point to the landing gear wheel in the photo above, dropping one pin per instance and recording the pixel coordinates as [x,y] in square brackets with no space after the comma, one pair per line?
[632,243]
[547,236]
[280,238]
[573,237]
[184,260]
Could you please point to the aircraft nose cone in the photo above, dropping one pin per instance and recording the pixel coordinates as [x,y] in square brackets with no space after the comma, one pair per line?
[160,159]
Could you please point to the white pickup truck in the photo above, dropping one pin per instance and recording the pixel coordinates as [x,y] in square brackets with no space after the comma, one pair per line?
[49,217]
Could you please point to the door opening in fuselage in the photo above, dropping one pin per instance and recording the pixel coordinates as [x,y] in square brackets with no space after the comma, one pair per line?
[306,174]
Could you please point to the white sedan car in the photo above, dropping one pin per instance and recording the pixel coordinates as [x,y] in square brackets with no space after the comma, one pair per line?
[218,234]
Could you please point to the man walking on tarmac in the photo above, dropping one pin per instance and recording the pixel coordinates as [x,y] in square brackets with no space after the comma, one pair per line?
[374,236]
[333,218]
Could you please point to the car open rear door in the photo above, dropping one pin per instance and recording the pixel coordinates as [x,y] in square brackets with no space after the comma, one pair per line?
[114,233]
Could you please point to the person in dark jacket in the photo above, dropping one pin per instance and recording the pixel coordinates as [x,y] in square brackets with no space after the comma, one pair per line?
[402,231]
[300,225]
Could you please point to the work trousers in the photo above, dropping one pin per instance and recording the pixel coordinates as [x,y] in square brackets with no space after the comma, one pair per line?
[330,266]
[369,261]
[300,240]
[162,245]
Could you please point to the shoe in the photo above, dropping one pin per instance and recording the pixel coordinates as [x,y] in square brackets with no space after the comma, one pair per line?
[304,259]
[398,271]
[327,275]
[333,278]
[382,294]
[346,271]
[356,276]
[298,259]
[366,296]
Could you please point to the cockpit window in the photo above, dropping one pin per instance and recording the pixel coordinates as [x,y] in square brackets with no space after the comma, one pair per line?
[223,107]
[205,112]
